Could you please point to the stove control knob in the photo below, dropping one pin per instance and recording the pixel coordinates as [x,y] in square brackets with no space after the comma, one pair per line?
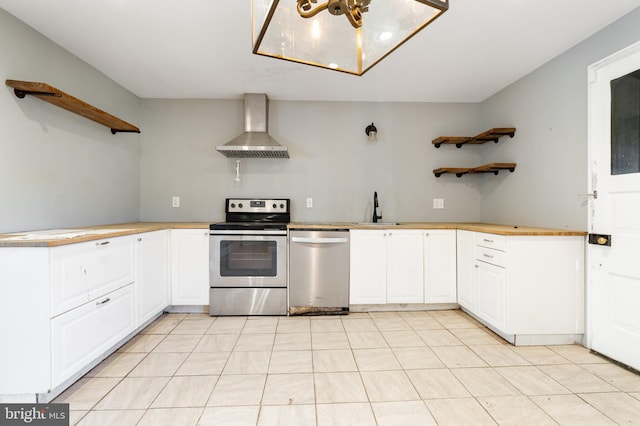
[274,205]
[233,205]
[282,206]
[240,205]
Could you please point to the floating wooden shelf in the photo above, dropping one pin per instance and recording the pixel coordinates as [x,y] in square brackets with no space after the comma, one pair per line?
[488,136]
[64,100]
[487,168]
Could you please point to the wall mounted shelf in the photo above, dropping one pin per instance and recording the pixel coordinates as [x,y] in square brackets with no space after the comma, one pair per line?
[487,168]
[63,100]
[492,135]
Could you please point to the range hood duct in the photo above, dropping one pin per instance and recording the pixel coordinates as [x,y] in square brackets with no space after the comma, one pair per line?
[255,142]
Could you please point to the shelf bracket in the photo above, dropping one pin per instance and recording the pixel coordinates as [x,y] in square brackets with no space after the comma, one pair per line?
[22,93]
[114,131]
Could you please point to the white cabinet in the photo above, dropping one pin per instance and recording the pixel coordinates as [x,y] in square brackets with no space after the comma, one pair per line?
[152,274]
[83,271]
[386,267]
[83,334]
[491,291]
[368,276]
[403,266]
[440,266]
[405,275]
[189,267]
[73,303]
[529,289]
[466,271]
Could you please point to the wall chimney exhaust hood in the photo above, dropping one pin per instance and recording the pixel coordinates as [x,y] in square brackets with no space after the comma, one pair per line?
[255,142]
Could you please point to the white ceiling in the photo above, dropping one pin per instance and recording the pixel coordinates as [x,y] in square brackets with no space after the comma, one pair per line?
[202,48]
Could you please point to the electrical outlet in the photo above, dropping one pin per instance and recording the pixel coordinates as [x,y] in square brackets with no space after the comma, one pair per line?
[438,203]
[309,203]
[175,201]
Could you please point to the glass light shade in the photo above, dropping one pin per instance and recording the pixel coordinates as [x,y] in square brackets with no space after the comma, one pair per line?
[330,41]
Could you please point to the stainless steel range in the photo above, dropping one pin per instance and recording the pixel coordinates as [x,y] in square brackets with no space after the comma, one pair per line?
[248,263]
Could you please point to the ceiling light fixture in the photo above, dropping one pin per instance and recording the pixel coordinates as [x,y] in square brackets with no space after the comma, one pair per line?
[299,31]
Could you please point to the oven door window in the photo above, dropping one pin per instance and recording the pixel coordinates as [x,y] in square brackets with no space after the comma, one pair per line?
[248,259]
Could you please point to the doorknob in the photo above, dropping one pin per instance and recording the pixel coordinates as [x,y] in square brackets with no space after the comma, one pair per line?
[600,239]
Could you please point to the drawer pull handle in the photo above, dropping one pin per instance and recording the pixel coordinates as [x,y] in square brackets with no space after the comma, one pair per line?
[487,255]
[104,243]
[487,241]
[103,302]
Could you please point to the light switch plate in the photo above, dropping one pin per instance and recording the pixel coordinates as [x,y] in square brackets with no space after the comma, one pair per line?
[175,201]
[309,203]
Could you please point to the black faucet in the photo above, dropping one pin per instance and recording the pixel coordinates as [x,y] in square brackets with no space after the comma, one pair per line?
[375,207]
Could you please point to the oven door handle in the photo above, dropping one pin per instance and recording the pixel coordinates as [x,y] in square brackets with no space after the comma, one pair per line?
[319,240]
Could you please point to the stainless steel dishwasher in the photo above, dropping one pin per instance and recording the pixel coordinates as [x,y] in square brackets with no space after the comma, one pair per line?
[318,271]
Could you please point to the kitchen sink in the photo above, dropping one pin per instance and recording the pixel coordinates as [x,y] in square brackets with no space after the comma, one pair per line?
[378,223]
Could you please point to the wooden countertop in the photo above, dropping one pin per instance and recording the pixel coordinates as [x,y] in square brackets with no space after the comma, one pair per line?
[468,226]
[58,237]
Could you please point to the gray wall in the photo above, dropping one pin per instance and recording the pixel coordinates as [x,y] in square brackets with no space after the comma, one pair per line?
[331,160]
[58,169]
[61,170]
[549,109]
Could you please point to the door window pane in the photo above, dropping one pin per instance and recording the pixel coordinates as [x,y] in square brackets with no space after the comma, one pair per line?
[625,124]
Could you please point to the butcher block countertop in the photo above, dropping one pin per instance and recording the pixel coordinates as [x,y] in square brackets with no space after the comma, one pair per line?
[58,237]
[468,226]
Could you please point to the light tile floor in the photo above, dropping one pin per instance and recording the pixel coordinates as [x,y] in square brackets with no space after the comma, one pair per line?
[379,368]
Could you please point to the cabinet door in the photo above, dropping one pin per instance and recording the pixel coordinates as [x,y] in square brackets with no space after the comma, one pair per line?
[152,274]
[440,266]
[405,275]
[84,271]
[189,267]
[368,276]
[491,297]
[466,270]
[83,334]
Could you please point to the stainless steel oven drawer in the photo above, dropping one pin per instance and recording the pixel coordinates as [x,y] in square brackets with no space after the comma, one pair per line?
[248,301]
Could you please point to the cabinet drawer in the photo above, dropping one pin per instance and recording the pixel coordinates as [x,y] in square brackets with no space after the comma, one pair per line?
[84,271]
[494,257]
[493,241]
[83,334]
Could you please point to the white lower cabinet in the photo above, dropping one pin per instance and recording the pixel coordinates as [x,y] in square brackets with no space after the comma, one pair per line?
[490,305]
[83,334]
[466,271]
[189,267]
[74,303]
[403,266]
[529,289]
[152,274]
[368,268]
[440,266]
[83,271]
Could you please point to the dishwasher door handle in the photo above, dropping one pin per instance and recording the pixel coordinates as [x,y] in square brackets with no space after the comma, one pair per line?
[319,240]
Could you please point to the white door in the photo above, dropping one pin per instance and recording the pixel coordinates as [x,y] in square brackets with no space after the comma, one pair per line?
[613,315]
